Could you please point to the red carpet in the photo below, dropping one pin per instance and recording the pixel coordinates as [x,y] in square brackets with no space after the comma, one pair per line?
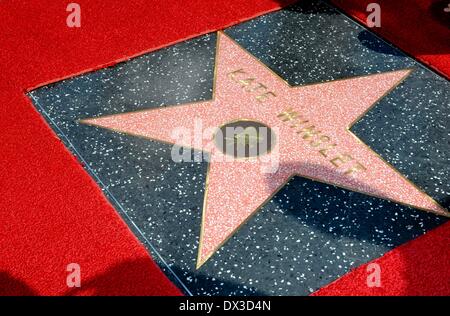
[418,27]
[420,267]
[52,212]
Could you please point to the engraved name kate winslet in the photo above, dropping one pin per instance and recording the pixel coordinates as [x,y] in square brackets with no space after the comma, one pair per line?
[300,124]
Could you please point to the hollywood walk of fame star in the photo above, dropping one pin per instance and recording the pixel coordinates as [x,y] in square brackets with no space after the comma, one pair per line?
[311,124]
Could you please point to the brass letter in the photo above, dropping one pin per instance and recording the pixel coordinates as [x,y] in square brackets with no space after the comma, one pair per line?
[357,167]
[308,132]
[265,95]
[322,139]
[341,159]
[246,82]
[323,151]
[233,73]
[288,115]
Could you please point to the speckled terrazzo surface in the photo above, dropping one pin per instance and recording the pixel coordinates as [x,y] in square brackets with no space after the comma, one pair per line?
[310,233]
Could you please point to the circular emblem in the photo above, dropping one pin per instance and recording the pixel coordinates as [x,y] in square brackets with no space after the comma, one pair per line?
[244,139]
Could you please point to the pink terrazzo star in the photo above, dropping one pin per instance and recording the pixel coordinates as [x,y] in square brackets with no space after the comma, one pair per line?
[313,140]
